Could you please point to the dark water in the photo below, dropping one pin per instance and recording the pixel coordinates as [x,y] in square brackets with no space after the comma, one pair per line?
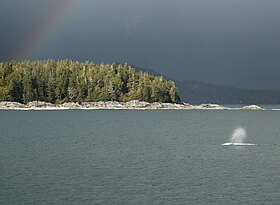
[138,157]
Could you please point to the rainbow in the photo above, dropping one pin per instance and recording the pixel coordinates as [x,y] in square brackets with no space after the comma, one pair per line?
[49,30]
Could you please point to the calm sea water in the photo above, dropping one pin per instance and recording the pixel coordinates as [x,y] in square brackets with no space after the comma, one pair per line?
[138,157]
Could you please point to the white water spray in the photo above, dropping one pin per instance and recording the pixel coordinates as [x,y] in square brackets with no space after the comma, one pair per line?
[238,135]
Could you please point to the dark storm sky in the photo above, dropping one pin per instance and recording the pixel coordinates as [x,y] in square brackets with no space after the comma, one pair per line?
[231,42]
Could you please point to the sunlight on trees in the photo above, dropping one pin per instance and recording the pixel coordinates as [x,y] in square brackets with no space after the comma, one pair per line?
[72,81]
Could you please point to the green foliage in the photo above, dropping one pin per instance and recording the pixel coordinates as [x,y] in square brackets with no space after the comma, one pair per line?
[72,81]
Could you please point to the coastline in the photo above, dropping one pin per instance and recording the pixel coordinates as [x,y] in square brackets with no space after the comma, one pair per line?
[113,105]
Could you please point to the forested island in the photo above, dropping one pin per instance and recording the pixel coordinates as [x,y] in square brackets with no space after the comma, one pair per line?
[63,81]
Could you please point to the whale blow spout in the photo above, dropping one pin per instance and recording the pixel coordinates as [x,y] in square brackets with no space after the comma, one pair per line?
[237,138]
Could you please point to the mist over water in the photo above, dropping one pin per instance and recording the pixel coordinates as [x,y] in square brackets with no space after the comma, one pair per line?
[238,135]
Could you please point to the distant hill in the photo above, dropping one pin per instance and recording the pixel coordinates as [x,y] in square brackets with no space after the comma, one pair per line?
[197,92]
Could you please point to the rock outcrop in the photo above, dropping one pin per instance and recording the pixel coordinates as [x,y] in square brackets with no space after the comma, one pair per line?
[39,104]
[210,107]
[11,105]
[251,107]
[134,104]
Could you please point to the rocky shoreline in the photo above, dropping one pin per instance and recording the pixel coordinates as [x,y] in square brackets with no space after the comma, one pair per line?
[131,105]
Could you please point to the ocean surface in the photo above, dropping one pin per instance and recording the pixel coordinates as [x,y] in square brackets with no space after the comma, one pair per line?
[138,157]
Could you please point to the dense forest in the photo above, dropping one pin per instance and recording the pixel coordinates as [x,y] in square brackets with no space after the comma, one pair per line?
[72,81]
